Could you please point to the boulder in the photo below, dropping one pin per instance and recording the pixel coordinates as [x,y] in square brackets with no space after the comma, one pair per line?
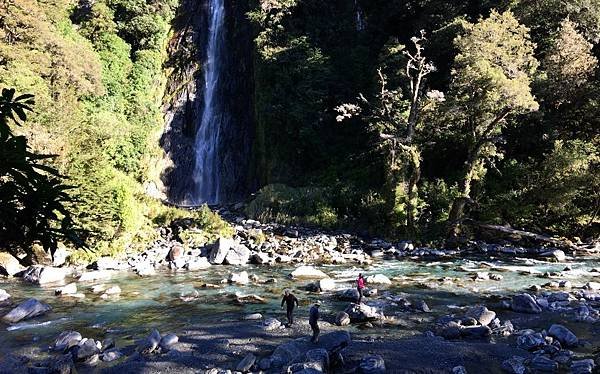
[44,274]
[62,365]
[4,295]
[362,313]
[95,275]
[27,309]
[239,278]
[151,343]
[66,340]
[556,255]
[593,286]
[219,250]
[308,272]
[168,341]
[253,317]
[543,364]
[198,264]
[9,266]
[295,350]
[246,364]
[373,364]
[475,331]
[525,303]
[583,366]
[239,254]
[271,324]
[69,289]
[114,290]
[531,342]
[261,258]
[514,365]
[59,257]
[349,294]
[326,284]
[342,319]
[563,335]
[111,355]
[459,370]
[109,263]
[378,279]
[85,349]
[482,315]
[175,252]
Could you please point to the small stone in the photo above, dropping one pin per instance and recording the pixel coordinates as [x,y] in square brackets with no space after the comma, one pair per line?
[372,365]
[168,341]
[114,290]
[459,370]
[308,272]
[111,355]
[246,364]
[342,319]
[85,349]
[271,324]
[515,365]
[66,339]
[239,278]
[531,342]
[253,317]
[593,286]
[4,295]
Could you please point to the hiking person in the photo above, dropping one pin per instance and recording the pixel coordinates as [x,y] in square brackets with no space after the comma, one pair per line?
[313,321]
[360,285]
[290,300]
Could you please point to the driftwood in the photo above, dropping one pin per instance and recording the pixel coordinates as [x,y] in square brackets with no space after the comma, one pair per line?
[521,234]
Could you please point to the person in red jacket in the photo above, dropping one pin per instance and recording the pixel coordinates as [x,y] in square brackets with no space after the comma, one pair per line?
[360,285]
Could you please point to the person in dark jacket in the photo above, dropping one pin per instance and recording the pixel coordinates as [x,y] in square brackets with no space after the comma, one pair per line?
[313,321]
[291,301]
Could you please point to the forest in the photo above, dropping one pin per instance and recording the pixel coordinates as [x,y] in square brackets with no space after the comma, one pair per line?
[406,119]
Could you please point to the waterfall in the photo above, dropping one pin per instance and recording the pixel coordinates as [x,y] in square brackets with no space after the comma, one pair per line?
[359,17]
[206,174]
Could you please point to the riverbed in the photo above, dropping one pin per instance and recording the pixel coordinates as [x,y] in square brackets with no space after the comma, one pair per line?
[177,301]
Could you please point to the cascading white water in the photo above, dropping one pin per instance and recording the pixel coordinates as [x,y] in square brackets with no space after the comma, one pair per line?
[206,170]
[359,18]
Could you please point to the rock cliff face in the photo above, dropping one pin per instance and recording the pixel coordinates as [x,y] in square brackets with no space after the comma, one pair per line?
[184,103]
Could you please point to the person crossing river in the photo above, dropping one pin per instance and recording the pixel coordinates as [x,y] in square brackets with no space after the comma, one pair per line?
[291,301]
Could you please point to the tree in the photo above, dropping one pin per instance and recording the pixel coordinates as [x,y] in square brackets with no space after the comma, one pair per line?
[491,81]
[395,119]
[569,64]
[33,198]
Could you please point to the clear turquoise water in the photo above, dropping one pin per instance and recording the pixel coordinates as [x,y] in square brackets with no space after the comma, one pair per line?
[170,301]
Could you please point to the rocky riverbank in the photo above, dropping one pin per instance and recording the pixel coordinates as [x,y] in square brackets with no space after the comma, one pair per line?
[421,303]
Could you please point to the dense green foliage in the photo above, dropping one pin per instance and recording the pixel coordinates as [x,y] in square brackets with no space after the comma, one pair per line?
[96,72]
[506,126]
[33,196]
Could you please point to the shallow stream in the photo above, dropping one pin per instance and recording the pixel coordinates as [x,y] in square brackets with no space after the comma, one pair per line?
[170,301]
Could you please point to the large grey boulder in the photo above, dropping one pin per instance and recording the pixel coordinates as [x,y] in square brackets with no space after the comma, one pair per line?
[238,254]
[44,274]
[556,255]
[563,335]
[239,278]
[373,364]
[109,263]
[543,364]
[362,313]
[66,340]
[583,366]
[69,289]
[219,250]
[342,319]
[308,272]
[27,309]
[151,343]
[525,303]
